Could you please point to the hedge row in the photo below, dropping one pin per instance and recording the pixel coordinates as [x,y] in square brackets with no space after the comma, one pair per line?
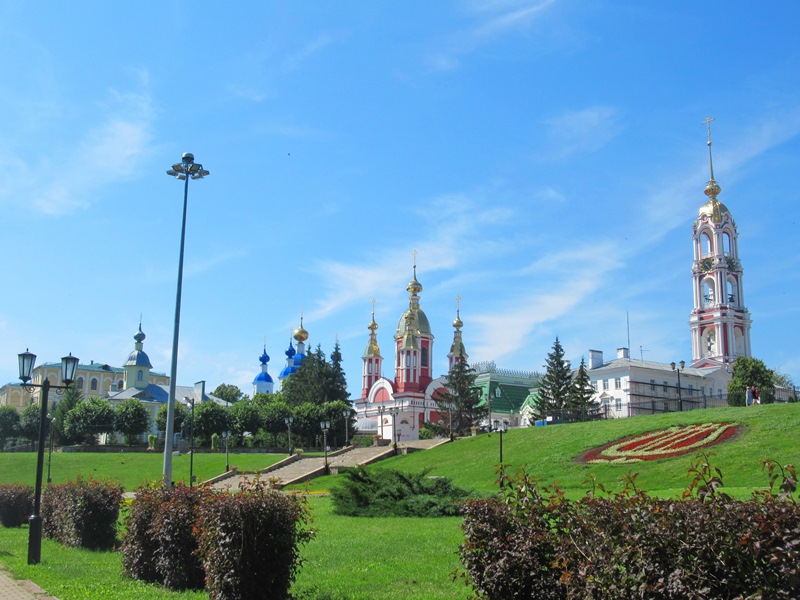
[535,543]
[241,545]
[82,513]
[16,504]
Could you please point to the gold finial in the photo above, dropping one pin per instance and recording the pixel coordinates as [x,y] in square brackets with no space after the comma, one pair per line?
[458,323]
[707,122]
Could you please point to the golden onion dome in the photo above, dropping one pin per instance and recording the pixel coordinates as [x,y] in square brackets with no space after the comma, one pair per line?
[458,323]
[414,286]
[300,334]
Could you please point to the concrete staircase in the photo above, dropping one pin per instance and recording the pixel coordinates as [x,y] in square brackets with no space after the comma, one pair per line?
[297,468]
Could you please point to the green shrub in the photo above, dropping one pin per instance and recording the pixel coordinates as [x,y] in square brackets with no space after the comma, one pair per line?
[82,513]
[425,433]
[16,504]
[393,493]
[363,441]
[536,543]
[250,542]
[160,545]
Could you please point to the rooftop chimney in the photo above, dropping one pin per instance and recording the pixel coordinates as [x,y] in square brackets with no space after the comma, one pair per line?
[595,359]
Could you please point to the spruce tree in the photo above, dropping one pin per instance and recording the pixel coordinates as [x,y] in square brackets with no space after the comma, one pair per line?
[555,385]
[339,379]
[581,399]
[458,404]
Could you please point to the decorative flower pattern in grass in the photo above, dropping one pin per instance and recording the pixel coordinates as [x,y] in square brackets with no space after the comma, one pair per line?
[664,443]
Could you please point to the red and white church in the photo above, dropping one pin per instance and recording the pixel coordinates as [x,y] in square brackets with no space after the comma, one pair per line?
[396,409]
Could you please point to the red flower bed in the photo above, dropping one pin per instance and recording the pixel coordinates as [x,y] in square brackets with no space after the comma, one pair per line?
[664,443]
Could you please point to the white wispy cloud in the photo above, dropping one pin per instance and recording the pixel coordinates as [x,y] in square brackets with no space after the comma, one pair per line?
[493,19]
[581,131]
[310,49]
[109,151]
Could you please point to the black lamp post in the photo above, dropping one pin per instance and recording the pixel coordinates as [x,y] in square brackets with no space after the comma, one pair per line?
[289,421]
[346,415]
[501,431]
[678,371]
[381,410]
[325,426]
[50,451]
[227,436]
[185,170]
[68,366]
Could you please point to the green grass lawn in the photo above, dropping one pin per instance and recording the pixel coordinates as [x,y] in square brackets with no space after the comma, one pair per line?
[358,558]
[131,469]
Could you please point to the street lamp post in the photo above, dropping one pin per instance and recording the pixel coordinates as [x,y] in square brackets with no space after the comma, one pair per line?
[346,415]
[191,449]
[325,426]
[50,452]
[678,371]
[501,431]
[227,462]
[185,170]
[289,421]
[68,366]
[381,410]
[394,411]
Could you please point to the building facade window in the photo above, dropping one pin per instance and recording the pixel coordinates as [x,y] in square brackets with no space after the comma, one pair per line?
[618,404]
[119,384]
[140,375]
[424,357]
[652,384]
[93,385]
[666,386]
[80,383]
[617,383]
[605,384]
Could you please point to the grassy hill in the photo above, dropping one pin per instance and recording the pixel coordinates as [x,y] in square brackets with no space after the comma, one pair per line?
[549,453]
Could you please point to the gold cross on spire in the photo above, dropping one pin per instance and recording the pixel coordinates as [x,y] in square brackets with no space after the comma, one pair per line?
[707,122]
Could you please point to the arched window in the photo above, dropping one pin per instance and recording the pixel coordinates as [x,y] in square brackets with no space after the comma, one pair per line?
[140,375]
[732,295]
[726,242]
[706,245]
[93,385]
[424,359]
[709,293]
[79,383]
[119,384]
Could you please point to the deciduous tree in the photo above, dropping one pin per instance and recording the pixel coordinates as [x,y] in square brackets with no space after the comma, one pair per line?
[132,419]
[9,422]
[90,418]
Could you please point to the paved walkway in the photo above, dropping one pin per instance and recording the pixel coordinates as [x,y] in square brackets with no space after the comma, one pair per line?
[10,589]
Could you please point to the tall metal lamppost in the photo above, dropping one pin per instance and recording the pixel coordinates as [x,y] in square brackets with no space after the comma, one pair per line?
[394,411]
[289,421]
[346,415]
[678,370]
[185,170]
[68,366]
[191,447]
[227,436]
[381,410]
[325,426]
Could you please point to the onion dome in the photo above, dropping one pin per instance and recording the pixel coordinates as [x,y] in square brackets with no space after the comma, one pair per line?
[290,351]
[458,323]
[139,336]
[264,358]
[300,334]
[263,377]
[414,286]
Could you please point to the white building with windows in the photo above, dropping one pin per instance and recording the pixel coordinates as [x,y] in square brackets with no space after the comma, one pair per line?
[626,387]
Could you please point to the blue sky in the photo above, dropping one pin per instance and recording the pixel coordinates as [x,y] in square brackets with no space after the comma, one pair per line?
[546,160]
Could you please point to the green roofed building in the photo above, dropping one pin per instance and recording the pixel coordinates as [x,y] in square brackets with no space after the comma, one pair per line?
[506,392]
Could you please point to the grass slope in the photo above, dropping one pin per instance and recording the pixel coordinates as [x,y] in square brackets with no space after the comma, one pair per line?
[548,453]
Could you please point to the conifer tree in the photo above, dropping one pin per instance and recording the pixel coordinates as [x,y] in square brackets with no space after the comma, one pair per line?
[556,384]
[458,404]
[581,395]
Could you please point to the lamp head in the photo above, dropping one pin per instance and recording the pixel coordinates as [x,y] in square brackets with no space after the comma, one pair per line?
[26,361]
[69,365]
[187,158]
[672,364]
